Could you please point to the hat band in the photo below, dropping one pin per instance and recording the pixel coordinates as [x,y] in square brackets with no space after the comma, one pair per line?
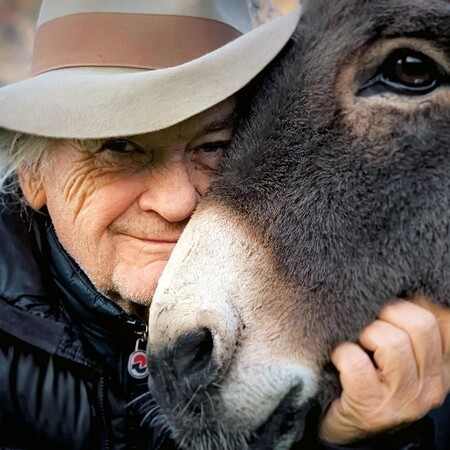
[142,41]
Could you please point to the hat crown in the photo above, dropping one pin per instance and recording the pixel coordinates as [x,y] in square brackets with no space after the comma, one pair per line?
[231,12]
[104,68]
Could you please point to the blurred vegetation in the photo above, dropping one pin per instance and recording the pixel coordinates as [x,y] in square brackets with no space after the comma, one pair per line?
[18,19]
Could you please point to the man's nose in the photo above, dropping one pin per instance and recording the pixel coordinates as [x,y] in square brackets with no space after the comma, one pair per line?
[170,192]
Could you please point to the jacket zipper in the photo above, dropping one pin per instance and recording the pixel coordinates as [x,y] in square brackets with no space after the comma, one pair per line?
[140,330]
[103,418]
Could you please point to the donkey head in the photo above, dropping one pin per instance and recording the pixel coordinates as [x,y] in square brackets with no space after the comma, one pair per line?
[333,201]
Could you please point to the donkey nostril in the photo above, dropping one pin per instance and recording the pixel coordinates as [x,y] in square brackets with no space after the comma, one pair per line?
[192,357]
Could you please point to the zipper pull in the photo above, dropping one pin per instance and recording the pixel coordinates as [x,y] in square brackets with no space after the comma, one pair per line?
[143,334]
[137,361]
[138,325]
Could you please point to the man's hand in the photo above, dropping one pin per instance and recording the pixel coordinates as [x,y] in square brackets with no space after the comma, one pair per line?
[399,372]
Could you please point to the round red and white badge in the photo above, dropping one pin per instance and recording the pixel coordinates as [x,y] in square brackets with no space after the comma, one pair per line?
[137,364]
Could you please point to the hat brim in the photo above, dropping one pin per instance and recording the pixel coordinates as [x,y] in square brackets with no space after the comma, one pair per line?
[94,102]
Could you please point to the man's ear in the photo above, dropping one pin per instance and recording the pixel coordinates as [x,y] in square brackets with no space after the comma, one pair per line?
[33,188]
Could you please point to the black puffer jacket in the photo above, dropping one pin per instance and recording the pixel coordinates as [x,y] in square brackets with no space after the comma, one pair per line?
[64,350]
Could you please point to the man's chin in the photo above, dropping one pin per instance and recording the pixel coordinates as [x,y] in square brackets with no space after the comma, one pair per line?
[137,284]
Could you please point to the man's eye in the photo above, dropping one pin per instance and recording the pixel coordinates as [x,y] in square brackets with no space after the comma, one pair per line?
[207,156]
[213,147]
[122,146]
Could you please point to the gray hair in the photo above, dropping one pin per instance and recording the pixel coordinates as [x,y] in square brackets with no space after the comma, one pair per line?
[19,151]
[31,153]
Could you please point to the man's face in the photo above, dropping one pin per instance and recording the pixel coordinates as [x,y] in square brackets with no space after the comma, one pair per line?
[119,205]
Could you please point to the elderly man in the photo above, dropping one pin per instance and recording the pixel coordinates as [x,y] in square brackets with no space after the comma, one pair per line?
[104,154]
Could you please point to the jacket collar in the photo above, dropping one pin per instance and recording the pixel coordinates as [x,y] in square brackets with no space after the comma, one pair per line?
[40,281]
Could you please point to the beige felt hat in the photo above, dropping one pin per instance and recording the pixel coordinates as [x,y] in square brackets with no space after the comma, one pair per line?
[105,68]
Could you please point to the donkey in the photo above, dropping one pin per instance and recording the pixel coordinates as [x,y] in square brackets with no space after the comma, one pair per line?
[333,201]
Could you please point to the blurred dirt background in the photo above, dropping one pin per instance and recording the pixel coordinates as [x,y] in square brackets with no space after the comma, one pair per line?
[17,24]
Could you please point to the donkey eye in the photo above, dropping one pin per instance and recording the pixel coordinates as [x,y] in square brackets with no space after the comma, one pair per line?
[406,72]
[412,70]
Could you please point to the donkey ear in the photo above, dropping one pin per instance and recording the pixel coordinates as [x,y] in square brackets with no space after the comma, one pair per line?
[33,189]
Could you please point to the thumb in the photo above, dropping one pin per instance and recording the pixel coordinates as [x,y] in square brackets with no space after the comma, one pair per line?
[335,427]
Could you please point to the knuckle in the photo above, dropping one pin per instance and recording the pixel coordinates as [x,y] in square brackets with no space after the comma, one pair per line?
[395,311]
[371,331]
[348,355]
[426,323]
[357,363]
[398,340]
[391,340]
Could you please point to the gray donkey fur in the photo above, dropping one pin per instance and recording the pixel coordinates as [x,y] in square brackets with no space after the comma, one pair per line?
[356,220]
[347,182]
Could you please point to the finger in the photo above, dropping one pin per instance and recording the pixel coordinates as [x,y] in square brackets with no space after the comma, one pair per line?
[393,355]
[425,336]
[357,374]
[423,330]
[443,317]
